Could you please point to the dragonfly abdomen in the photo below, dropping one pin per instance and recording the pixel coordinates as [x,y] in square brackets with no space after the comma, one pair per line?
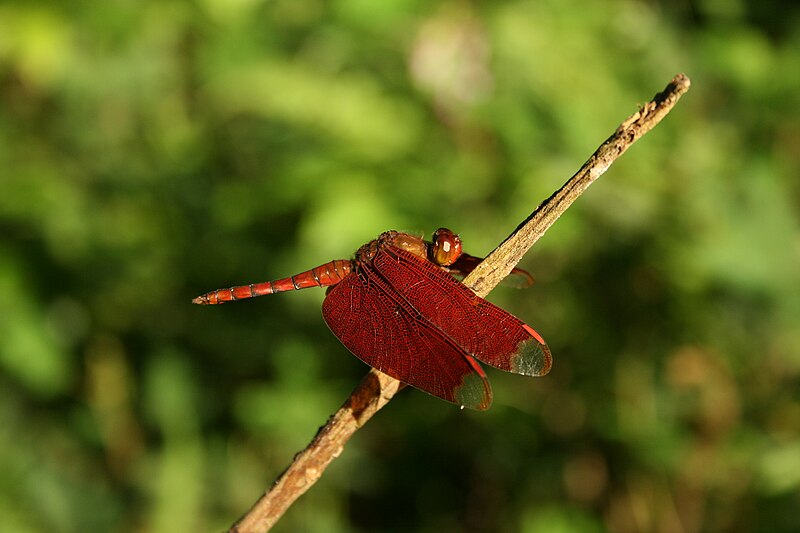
[325,275]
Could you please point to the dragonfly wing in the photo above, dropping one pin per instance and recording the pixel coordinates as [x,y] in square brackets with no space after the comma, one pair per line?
[482,329]
[519,278]
[381,329]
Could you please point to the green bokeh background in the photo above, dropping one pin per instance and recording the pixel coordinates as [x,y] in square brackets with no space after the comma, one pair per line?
[151,151]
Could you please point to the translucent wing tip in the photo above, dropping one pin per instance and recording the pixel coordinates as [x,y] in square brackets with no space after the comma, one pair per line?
[474,392]
[519,279]
[533,357]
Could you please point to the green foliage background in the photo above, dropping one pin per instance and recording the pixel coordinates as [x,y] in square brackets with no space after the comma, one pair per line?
[151,151]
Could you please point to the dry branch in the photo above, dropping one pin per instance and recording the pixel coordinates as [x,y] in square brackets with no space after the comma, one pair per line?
[376,389]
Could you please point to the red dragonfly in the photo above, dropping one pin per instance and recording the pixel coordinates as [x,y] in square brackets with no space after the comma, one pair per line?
[399,309]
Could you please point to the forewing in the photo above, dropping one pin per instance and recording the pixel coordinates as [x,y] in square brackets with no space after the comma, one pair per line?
[519,278]
[485,331]
[381,329]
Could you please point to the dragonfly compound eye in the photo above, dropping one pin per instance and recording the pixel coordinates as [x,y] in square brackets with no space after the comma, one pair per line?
[446,247]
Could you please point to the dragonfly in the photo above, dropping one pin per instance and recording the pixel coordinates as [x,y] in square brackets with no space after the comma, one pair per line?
[399,306]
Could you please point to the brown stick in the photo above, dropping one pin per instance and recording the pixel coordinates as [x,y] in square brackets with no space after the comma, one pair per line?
[376,389]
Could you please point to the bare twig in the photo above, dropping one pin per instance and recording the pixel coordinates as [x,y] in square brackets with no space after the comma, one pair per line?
[376,389]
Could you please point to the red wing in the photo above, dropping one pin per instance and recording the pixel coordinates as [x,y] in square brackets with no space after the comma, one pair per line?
[485,331]
[381,329]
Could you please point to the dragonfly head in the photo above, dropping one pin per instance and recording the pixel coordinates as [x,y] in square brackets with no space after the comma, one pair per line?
[446,247]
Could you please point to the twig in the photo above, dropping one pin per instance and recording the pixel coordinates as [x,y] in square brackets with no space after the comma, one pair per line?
[376,389]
